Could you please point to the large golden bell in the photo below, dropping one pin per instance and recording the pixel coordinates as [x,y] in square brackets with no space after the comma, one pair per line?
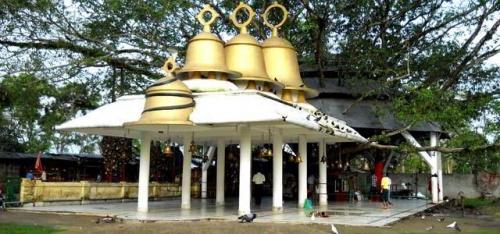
[168,102]
[205,56]
[244,55]
[281,62]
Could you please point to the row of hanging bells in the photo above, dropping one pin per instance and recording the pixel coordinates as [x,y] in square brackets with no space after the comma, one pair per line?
[271,66]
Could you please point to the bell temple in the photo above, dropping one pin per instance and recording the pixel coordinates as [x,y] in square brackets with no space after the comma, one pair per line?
[240,92]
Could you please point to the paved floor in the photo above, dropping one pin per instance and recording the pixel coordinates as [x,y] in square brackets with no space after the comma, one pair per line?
[360,214]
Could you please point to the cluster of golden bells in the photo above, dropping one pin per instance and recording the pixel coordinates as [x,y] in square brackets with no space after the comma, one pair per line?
[270,66]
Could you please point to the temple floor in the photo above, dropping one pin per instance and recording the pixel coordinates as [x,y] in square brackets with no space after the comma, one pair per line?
[359,214]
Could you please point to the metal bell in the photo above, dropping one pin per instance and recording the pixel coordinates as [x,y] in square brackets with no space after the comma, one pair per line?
[168,102]
[205,56]
[244,55]
[281,62]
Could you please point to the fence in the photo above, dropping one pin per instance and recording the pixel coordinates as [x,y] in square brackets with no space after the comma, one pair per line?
[37,192]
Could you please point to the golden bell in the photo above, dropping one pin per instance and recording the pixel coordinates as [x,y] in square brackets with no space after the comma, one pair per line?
[269,153]
[168,102]
[244,55]
[281,61]
[168,151]
[205,56]
[192,147]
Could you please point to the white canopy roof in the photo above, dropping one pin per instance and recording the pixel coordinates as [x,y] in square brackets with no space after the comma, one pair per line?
[218,115]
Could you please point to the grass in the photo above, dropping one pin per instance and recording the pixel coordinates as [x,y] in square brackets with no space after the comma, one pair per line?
[26,229]
[477,202]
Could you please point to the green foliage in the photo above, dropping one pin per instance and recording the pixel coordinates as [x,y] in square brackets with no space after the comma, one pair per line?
[32,107]
[478,202]
[478,160]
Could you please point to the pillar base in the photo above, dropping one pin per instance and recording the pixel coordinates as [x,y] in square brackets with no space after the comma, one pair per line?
[278,209]
[186,206]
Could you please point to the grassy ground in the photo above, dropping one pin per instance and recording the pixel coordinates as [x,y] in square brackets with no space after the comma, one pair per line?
[26,229]
[22,222]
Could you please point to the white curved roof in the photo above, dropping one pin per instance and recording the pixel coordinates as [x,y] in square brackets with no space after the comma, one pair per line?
[217,114]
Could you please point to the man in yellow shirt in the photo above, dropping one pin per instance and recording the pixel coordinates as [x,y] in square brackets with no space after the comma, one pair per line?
[385,186]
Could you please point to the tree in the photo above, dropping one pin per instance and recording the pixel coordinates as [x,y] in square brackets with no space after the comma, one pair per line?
[427,57]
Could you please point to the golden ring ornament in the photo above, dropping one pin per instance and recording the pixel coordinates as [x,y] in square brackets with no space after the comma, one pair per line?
[201,17]
[243,25]
[266,19]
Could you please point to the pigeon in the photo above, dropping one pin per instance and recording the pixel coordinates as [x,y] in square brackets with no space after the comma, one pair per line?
[454,225]
[429,228]
[284,117]
[313,216]
[440,219]
[334,230]
[248,218]
[422,217]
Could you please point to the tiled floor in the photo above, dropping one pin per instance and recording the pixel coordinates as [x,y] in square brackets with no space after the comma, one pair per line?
[363,213]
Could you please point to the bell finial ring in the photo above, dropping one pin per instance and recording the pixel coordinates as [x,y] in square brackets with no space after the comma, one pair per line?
[243,25]
[266,19]
[170,66]
[201,18]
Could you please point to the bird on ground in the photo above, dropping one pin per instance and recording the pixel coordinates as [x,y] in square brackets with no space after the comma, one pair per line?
[334,230]
[429,228]
[313,216]
[248,218]
[422,217]
[440,219]
[454,225]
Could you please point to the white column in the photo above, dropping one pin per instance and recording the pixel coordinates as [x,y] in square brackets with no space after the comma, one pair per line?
[434,170]
[302,171]
[323,194]
[440,177]
[204,171]
[186,174]
[221,162]
[277,170]
[245,170]
[143,193]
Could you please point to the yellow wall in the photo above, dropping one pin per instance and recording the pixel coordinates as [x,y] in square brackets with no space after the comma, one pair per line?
[38,191]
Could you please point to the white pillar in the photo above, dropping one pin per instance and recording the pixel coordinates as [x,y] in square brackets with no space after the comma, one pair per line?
[143,193]
[440,177]
[245,170]
[204,171]
[221,157]
[323,194]
[434,170]
[277,170]
[186,174]
[302,171]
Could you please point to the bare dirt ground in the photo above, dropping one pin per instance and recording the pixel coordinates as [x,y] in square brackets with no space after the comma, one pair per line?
[472,223]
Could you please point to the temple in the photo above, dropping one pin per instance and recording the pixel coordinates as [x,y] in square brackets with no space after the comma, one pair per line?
[239,92]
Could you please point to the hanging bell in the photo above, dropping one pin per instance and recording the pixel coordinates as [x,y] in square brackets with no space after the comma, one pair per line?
[168,102]
[168,150]
[244,55]
[269,153]
[205,58]
[192,147]
[281,62]
[298,159]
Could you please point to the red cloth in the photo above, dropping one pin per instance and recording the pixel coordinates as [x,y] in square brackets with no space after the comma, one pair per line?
[38,163]
[379,171]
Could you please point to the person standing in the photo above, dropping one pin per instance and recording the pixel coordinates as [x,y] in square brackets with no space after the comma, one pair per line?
[351,187]
[385,185]
[258,180]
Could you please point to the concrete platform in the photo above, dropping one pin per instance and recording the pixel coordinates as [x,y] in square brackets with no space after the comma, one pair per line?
[359,214]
